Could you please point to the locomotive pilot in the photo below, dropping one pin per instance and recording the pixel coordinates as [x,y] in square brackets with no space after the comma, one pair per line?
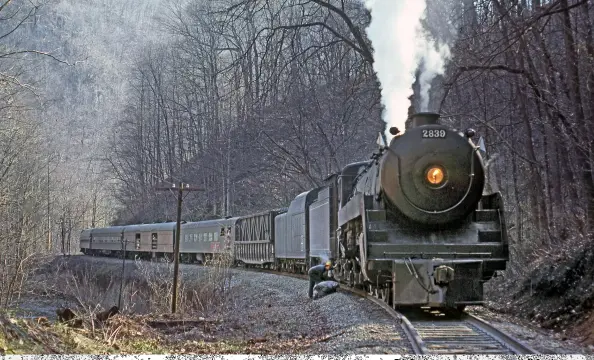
[319,273]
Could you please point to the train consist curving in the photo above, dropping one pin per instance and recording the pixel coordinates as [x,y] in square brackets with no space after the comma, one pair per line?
[411,225]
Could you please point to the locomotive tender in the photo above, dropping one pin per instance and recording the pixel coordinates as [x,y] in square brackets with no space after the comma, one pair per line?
[411,225]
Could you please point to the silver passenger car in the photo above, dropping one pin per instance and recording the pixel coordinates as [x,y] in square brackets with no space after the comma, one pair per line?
[105,240]
[150,238]
[204,238]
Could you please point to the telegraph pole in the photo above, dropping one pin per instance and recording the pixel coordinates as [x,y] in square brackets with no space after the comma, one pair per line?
[181,187]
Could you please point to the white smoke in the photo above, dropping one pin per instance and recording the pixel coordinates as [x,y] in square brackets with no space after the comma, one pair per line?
[400,46]
[433,64]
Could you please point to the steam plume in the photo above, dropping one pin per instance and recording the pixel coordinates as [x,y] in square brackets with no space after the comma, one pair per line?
[400,46]
[433,65]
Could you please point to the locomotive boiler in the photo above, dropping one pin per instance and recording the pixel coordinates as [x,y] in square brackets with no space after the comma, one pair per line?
[414,225]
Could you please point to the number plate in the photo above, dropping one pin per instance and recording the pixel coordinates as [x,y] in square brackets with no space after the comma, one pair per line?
[434,134]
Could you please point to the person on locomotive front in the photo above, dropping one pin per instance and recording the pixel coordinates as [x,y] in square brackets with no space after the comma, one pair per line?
[319,273]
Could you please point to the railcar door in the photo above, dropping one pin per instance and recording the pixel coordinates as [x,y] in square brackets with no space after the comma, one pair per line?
[154,241]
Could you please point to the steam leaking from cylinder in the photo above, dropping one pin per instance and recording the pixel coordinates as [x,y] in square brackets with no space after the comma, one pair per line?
[401,46]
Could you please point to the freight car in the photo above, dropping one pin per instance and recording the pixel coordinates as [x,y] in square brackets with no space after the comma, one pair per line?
[412,225]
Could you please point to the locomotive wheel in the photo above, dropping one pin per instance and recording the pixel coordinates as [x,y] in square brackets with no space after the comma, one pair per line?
[385,294]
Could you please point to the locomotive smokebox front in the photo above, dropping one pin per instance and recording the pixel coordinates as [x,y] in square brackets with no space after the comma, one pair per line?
[431,174]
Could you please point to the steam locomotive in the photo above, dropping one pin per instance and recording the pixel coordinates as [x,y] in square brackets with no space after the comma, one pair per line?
[411,225]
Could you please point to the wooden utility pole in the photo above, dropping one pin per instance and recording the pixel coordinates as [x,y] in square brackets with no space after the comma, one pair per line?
[181,187]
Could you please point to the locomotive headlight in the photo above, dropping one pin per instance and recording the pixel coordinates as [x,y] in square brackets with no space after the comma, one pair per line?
[435,175]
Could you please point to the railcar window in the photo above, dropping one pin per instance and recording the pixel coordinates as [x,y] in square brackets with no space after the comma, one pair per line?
[137,241]
[222,232]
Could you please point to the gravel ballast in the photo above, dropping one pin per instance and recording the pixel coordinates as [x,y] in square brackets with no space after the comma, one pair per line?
[277,306]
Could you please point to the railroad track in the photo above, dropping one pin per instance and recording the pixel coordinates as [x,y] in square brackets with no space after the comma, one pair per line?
[432,332]
[437,333]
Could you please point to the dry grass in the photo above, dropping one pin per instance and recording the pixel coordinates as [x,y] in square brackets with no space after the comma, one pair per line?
[197,295]
[89,287]
[16,275]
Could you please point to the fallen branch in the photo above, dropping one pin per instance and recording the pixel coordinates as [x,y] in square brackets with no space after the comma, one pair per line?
[165,324]
[328,337]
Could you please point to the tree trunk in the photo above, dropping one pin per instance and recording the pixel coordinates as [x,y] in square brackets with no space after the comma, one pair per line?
[583,151]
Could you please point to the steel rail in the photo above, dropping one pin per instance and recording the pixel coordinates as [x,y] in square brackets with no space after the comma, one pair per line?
[515,345]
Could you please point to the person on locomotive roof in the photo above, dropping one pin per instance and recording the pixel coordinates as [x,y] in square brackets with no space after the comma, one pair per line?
[319,273]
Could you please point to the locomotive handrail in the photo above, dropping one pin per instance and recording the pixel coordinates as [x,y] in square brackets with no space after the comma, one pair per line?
[438,253]
[459,202]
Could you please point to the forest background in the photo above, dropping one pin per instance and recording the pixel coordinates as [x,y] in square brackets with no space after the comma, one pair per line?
[258,100]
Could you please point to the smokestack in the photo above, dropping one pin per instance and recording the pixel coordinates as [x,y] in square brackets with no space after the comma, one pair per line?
[424,118]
